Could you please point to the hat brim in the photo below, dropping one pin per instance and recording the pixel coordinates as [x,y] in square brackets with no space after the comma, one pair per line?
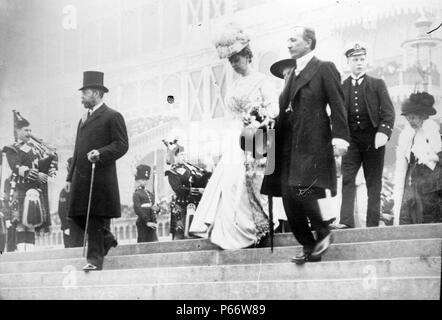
[356,53]
[94,87]
[429,112]
[277,67]
[238,50]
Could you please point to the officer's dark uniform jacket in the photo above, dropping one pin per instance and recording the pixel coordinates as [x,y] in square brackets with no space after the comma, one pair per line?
[140,197]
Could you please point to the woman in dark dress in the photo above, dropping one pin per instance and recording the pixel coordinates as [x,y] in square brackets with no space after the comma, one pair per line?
[418,186]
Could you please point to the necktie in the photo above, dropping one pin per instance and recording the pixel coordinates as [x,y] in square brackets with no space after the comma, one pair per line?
[356,82]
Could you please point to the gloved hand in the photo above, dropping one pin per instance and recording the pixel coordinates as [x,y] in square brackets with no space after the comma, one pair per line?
[152,225]
[380,140]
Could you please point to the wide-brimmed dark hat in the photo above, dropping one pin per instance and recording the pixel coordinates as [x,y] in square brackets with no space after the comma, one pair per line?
[419,103]
[277,68]
[143,172]
[93,80]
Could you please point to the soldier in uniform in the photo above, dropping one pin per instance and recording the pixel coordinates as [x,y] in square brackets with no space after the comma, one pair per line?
[29,206]
[63,209]
[370,119]
[144,207]
[188,183]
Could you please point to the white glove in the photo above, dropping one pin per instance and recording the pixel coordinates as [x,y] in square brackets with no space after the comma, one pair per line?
[93,156]
[380,140]
[146,205]
[8,224]
[340,147]
[67,232]
[152,225]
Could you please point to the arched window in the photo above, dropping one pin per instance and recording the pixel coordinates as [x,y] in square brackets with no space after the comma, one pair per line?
[134,232]
[166,228]
[128,232]
[171,23]
[121,233]
[160,229]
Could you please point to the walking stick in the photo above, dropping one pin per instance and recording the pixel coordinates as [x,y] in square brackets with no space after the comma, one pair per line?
[271,221]
[88,209]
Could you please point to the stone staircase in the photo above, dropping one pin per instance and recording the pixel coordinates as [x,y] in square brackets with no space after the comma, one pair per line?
[373,263]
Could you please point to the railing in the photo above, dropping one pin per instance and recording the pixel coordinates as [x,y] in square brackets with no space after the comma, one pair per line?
[124,230]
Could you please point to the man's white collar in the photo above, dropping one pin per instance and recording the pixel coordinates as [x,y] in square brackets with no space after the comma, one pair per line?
[302,62]
[96,107]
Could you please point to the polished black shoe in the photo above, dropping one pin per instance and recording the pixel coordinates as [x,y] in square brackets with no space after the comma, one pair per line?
[305,257]
[329,222]
[322,245]
[340,226]
[90,267]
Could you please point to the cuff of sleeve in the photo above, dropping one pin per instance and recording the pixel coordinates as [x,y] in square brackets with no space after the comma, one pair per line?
[340,142]
[385,129]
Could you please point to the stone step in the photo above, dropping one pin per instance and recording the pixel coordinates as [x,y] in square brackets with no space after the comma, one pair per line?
[338,251]
[423,231]
[368,269]
[394,288]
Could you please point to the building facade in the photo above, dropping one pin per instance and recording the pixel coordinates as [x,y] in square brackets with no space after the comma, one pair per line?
[150,50]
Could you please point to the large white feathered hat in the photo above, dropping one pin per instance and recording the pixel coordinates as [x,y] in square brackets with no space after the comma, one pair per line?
[230,40]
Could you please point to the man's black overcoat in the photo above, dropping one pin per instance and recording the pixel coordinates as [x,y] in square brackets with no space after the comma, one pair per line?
[105,131]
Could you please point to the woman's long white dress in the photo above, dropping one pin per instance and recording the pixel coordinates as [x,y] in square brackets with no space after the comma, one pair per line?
[232,209]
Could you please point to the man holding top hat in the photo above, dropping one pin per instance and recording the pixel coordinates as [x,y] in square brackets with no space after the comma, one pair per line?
[307,140]
[144,206]
[371,119]
[101,139]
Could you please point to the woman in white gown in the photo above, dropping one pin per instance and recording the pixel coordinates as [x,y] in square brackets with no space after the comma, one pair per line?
[232,211]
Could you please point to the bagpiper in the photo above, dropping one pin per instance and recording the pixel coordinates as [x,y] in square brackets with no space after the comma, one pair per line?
[31,166]
[144,206]
[188,182]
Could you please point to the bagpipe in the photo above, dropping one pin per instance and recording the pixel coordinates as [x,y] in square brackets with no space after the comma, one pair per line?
[35,205]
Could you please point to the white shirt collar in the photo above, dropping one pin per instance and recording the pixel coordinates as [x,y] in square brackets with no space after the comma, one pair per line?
[302,62]
[95,108]
[360,78]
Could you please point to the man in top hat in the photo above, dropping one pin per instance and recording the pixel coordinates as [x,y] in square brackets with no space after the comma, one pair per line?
[370,118]
[307,140]
[144,206]
[28,194]
[101,139]
[63,206]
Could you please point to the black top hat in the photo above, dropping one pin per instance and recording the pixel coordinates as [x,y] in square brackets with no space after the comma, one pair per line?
[419,103]
[277,68]
[94,80]
[143,172]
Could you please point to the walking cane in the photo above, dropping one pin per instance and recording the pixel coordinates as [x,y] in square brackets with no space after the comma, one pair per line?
[88,209]
[271,221]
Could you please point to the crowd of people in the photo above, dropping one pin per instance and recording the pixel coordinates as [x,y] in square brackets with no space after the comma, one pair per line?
[280,160]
